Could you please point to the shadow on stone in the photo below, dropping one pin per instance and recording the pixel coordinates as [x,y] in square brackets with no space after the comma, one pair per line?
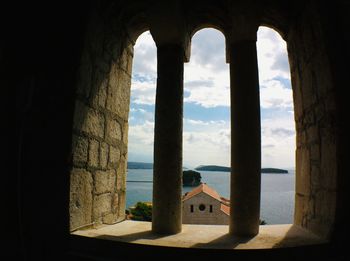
[224,242]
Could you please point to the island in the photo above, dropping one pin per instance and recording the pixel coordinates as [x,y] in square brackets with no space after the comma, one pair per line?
[213,168]
[274,171]
[139,165]
[144,165]
[228,169]
[191,178]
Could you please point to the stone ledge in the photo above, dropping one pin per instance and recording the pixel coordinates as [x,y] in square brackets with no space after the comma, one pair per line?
[205,236]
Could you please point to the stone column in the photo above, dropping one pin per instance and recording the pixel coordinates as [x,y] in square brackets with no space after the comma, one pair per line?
[167,173]
[245,138]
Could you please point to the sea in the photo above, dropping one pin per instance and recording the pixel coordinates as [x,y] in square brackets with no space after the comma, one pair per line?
[277,191]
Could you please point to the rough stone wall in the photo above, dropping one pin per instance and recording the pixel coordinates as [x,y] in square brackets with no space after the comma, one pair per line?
[315,111]
[101,113]
[217,217]
[98,174]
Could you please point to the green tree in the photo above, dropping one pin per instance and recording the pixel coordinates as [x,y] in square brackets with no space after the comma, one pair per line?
[142,211]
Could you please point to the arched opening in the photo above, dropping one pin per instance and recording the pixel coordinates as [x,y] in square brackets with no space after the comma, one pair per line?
[206,134]
[277,128]
[141,121]
[102,149]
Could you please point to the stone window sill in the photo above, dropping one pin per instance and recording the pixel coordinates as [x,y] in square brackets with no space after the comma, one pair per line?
[204,236]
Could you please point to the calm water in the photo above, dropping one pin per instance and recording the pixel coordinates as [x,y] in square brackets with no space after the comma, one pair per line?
[277,191]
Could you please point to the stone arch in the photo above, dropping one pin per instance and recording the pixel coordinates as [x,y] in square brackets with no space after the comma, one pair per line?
[100,128]
[102,99]
[314,114]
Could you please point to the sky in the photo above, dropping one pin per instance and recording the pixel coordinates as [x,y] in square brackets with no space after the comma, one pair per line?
[206,123]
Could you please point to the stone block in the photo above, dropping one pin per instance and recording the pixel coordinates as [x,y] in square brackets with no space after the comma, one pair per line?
[100,90]
[80,149]
[328,164]
[80,205]
[88,120]
[129,65]
[301,138]
[122,204]
[94,123]
[93,153]
[312,134]
[308,94]
[121,175]
[320,64]
[103,155]
[102,205]
[299,209]
[115,203]
[315,177]
[114,132]
[118,99]
[125,133]
[110,219]
[298,105]
[114,156]
[105,181]
[303,171]
[123,62]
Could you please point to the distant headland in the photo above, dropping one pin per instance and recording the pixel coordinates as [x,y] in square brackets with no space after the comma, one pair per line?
[139,165]
[143,165]
[228,169]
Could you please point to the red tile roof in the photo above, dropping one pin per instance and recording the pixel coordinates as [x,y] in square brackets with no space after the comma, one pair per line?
[225,209]
[202,188]
[225,203]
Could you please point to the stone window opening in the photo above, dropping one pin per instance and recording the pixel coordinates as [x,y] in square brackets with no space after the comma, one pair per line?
[211,209]
[141,118]
[277,126]
[191,208]
[100,134]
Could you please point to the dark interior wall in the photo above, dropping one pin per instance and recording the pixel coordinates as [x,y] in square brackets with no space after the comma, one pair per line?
[338,42]
[41,48]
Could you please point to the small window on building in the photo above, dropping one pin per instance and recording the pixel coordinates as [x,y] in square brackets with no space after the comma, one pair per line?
[201,207]
[211,209]
[191,208]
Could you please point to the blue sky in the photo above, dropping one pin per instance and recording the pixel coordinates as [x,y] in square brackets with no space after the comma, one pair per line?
[206,136]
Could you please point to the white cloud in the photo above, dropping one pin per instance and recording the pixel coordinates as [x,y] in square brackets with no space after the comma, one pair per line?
[207,74]
[274,95]
[143,85]
[143,92]
[206,147]
[272,55]
[141,139]
[145,56]
[278,142]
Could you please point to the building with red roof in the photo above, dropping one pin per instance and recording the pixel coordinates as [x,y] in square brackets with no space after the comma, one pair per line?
[203,205]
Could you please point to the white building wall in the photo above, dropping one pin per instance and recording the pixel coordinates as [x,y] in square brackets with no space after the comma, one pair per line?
[216,217]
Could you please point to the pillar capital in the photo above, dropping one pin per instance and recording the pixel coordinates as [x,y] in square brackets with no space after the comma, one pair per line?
[168,27]
[243,28]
